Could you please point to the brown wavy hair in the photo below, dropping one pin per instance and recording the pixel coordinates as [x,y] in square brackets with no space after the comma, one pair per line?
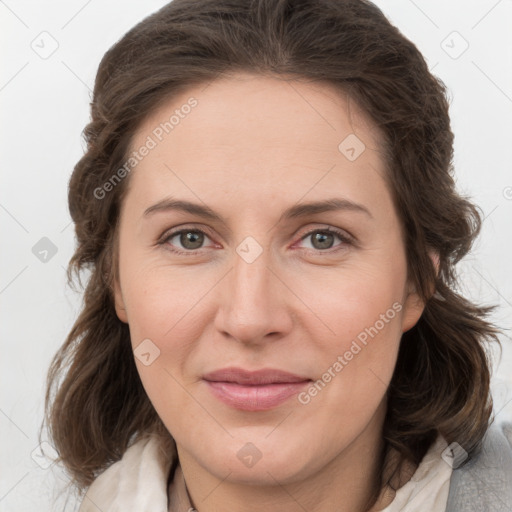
[96,405]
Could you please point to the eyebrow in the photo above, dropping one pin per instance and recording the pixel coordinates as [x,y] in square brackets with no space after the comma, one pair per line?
[296,211]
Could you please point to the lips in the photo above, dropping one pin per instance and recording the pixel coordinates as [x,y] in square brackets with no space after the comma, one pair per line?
[251,378]
[254,390]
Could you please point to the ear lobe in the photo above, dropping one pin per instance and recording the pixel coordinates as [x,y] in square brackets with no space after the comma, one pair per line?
[119,303]
[412,310]
[414,305]
[434,256]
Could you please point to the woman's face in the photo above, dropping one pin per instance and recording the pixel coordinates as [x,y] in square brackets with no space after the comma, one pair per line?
[254,281]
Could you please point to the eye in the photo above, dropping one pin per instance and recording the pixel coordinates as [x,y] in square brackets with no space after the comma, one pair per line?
[190,240]
[322,239]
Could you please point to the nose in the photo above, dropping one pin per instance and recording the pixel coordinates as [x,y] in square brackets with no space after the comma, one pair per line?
[255,303]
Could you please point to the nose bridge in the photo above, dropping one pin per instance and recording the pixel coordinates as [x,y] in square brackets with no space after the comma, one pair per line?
[253,305]
[250,278]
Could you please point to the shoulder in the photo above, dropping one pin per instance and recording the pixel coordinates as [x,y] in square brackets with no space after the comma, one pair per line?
[485,482]
[136,482]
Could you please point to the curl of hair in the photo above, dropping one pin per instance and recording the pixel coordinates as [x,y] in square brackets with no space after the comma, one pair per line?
[96,405]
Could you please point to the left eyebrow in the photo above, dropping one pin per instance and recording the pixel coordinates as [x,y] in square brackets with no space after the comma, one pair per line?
[296,211]
[327,205]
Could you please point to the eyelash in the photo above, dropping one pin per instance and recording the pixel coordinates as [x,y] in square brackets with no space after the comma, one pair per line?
[344,238]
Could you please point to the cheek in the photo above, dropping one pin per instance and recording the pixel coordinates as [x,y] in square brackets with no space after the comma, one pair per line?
[361,362]
[355,365]
[363,311]
[164,304]
[165,311]
[352,299]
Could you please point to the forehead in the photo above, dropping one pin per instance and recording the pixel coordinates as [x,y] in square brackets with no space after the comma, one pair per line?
[259,136]
[255,109]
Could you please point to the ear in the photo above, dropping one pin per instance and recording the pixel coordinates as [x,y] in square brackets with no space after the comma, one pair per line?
[434,256]
[414,306]
[119,303]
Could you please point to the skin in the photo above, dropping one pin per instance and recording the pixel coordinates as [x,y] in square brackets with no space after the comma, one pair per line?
[252,147]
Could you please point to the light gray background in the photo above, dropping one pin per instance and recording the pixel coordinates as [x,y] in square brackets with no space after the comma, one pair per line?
[44,100]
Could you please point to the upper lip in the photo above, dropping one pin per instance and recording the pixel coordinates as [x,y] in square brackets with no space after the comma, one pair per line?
[263,376]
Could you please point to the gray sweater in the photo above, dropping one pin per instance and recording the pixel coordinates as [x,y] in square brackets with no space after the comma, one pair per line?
[484,484]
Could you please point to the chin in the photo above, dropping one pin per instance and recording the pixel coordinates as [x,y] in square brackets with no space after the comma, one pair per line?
[261,462]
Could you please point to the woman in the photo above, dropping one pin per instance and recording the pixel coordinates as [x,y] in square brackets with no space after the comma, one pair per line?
[267,209]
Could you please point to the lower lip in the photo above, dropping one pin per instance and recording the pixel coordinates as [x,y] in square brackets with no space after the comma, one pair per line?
[255,398]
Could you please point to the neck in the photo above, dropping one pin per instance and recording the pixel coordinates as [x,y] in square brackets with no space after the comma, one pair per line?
[349,482]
